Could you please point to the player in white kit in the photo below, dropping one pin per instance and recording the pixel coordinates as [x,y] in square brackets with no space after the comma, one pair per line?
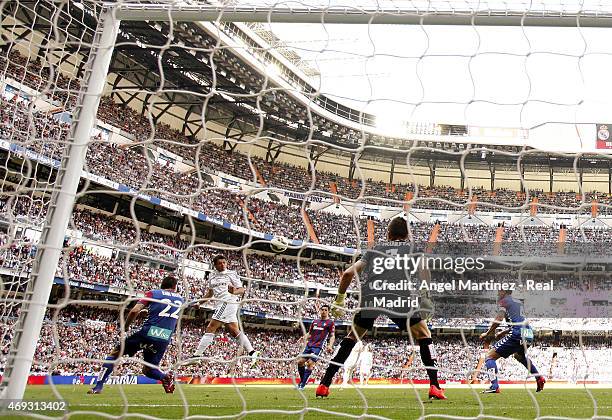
[365,365]
[351,364]
[225,287]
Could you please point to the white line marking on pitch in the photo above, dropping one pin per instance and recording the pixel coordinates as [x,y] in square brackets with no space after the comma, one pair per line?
[438,407]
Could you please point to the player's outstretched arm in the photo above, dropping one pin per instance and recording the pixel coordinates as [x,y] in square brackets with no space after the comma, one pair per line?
[332,340]
[209,294]
[502,334]
[348,275]
[133,314]
[236,290]
[490,333]
[345,281]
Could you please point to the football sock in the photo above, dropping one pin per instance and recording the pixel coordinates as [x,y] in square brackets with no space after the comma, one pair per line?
[492,370]
[307,373]
[155,374]
[346,375]
[107,369]
[523,360]
[244,342]
[205,341]
[346,346]
[301,370]
[428,355]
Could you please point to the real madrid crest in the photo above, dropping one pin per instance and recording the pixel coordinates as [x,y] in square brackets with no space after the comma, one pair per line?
[603,133]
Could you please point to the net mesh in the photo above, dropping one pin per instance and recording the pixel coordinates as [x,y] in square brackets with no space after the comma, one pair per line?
[220,137]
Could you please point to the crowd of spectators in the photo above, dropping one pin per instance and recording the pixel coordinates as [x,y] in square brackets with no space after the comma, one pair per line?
[83,264]
[91,332]
[120,233]
[33,72]
[466,233]
[132,166]
[85,335]
[45,131]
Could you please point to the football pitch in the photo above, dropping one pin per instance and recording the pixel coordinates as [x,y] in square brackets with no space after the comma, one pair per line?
[276,402]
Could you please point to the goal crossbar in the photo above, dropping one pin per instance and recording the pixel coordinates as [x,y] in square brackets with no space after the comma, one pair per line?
[347,15]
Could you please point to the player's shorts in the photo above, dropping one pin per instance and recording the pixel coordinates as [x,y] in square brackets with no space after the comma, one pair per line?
[152,350]
[365,368]
[365,319]
[509,345]
[311,353]
[226,312]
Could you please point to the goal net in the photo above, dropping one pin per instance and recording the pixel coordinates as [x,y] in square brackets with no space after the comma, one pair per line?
[140,140]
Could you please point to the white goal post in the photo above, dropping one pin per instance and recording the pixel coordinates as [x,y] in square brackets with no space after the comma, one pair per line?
[28,327]
[432,14]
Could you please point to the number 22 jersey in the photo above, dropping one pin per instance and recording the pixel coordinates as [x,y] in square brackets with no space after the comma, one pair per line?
[164,313]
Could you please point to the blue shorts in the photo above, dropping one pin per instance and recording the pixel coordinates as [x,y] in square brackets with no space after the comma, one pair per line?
[509,345]
[152,350]
[312,353]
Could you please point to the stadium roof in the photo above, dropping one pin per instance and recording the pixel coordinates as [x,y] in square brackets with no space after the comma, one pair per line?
[242,99]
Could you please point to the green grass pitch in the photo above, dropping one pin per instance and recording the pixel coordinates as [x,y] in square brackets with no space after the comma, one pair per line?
[395,403]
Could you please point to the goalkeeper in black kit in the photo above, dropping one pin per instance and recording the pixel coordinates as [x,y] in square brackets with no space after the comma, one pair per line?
[363,321]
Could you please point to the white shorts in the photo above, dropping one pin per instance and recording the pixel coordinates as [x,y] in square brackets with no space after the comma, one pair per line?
[226,312]
[365,369]
[351,362]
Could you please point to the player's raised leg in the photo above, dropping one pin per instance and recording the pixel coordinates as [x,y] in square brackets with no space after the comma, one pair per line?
[236,333]
[208,337]
[164,307]
[492,371]
[343,352]
[244,341]
[522,358]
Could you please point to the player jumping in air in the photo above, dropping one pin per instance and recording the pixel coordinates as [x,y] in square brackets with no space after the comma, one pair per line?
[514,341]
[398,232]
[225,286]
[164,307]
[321,330]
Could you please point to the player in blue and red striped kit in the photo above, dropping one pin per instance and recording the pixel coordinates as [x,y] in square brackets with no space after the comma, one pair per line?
[164,306]
[321,330]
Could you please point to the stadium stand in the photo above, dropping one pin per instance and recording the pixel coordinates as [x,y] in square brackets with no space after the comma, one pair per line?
[272,278]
